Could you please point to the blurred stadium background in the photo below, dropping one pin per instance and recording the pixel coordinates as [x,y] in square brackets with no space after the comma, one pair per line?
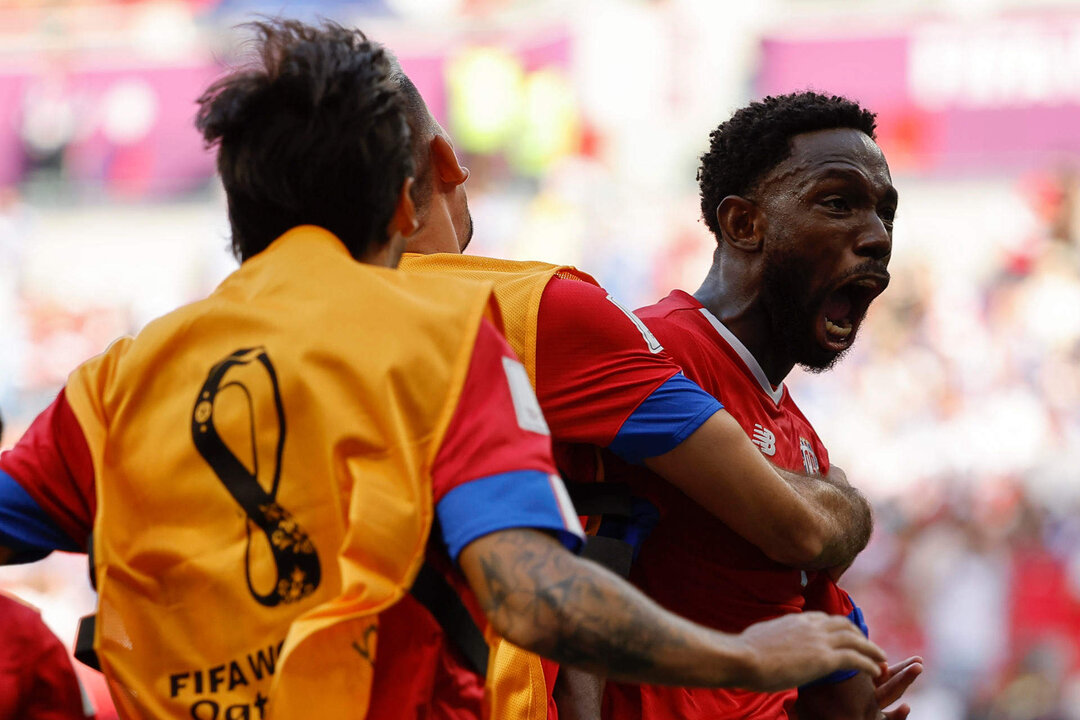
[958,411]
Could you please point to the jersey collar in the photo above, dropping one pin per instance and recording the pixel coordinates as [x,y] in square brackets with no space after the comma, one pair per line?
[777,393]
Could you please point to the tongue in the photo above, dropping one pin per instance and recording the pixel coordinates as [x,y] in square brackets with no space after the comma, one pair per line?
[837,306]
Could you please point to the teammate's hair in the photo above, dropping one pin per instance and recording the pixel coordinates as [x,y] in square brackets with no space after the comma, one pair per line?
[314,133]
[420,126]
[757,138]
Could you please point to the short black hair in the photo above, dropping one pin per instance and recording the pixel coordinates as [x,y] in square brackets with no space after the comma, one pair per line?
[419,117]
[315,133]
[757,138]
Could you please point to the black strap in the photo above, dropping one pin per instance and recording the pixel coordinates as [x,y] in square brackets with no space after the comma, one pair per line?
[615,555]
[601,498]
[84,643]
[84,636]
[443,602]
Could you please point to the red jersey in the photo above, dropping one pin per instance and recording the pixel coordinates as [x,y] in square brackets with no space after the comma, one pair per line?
[37,679]
[692,563]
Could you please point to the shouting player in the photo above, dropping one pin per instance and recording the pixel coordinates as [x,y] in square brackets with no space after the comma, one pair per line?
[604,381]
[257,473]
[801,202]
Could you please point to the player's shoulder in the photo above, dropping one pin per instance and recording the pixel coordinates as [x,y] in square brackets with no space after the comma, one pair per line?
[570,303]
[678,307]
[563,289]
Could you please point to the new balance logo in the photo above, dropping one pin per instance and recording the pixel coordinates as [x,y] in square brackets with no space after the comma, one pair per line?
[765,440]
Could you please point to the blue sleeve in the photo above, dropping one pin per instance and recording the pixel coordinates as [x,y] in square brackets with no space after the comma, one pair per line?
[855,616]
[664,419]
[25,528]
[518,499]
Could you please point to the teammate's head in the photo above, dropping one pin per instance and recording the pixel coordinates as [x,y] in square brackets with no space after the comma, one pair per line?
[442,207]
[801,202]
[314,133]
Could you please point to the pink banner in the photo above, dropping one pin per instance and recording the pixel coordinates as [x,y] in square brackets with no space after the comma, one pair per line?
[999,94]
[131,129]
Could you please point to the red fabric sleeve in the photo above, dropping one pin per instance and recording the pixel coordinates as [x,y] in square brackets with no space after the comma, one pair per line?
[52,463]
[37,679]
[486,436]
[594,365]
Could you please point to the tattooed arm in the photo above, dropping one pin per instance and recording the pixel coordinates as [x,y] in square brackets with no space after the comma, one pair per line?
[541,597]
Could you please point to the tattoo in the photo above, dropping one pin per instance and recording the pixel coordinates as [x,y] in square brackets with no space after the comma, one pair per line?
[587,617]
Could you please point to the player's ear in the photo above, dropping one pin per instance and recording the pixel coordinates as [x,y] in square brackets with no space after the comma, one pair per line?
[741,223]
[445,161]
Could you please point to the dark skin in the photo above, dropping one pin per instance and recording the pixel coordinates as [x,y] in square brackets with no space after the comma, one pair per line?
[829,207]
[827,211]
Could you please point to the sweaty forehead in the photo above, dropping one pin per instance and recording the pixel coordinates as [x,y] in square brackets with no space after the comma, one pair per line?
[816,153]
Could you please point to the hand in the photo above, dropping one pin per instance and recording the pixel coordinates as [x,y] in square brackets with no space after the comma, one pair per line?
[794,649]
[891,684]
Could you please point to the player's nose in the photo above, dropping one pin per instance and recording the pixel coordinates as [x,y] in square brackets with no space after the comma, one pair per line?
[874,240]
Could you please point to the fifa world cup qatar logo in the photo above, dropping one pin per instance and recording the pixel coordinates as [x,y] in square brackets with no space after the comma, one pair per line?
[232,395]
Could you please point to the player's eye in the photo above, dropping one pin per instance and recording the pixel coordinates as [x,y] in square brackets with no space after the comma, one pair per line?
[888,216]
[836,203]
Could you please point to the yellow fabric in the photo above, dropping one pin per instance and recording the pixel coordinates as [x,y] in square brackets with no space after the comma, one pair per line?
[515,686]
[518,288]
[323,427]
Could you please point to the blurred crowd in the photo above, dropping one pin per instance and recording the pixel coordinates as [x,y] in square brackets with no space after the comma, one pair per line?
[958,411]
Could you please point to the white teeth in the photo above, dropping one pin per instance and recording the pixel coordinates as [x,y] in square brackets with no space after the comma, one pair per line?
[837,330]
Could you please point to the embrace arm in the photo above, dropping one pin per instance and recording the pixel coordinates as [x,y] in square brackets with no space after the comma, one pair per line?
[539,596]
[808,522]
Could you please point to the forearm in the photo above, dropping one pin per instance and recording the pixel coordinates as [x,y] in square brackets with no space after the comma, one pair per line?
[578,694]
[573,611]
[795,520]
[844,516]
[852,699]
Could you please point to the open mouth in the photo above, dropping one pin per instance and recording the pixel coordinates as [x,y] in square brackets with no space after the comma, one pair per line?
[844,309]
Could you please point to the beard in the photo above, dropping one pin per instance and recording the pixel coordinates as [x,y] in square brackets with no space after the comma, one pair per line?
[794,312]
[469,231]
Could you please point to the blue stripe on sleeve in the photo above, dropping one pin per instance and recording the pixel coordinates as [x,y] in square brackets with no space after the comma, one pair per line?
[855,616]
[664,419]
[518,499]
[25,527]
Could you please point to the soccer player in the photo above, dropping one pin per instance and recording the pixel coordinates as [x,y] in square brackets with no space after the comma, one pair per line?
[603,381]
[801,202]
[256,474]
